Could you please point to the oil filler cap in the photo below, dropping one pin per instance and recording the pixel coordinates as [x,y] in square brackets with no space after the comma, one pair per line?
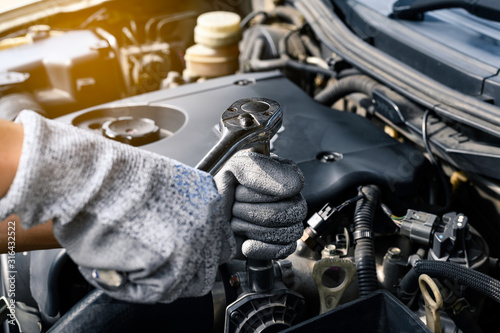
[131,130]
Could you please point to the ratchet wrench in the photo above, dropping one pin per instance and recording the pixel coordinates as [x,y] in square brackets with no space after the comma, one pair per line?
[248,123]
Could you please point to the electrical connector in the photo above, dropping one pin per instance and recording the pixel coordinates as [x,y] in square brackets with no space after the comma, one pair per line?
[319,221]
[315,223]
[451,237]
[418,226]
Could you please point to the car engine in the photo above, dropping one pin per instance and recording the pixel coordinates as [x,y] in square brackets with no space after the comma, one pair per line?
[399,149]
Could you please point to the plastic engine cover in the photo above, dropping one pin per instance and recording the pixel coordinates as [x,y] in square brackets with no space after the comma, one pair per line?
[337,151]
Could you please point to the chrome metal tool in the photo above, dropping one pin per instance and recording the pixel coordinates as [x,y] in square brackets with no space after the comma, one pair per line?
[247,123]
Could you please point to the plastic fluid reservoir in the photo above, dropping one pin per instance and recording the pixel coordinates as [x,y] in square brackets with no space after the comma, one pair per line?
[216,50]
[203,61]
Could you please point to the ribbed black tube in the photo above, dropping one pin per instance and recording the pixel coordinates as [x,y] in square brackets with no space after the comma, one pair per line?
[345,86]
[364,252]
[475,280]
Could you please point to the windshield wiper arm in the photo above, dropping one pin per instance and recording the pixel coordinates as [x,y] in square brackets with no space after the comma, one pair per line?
[413,9]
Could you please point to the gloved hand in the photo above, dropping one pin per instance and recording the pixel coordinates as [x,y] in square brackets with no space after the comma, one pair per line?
[261,198]
[157,221]
[119,208]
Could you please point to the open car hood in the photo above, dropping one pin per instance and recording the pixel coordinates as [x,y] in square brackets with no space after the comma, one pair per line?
[24,13]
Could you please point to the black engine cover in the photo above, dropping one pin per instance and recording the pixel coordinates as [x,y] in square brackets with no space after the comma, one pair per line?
[337,151]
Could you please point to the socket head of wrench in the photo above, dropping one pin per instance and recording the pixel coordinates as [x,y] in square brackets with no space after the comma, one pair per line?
[255,119]
[248,123]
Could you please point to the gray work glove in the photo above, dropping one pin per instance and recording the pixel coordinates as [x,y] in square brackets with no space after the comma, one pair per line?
[118,208]
[262,199]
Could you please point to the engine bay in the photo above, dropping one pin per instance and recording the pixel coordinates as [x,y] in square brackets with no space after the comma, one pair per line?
[402,191]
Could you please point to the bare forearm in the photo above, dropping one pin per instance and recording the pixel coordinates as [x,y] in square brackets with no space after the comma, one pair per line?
[11,143]
[15,238]
[11,232]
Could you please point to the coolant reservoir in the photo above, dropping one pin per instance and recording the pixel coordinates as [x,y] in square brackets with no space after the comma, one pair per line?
[204,61]
[216,50]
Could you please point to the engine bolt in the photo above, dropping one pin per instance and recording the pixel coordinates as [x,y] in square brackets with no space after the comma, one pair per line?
[235,315]
[330,250]
[329,157]
[242,82]
[394,253]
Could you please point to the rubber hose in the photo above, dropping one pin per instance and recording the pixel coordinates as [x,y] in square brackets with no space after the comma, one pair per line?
[465,320]
[288,14]
[292,15]
[477,281]
[246,20]
[313,49]
[364,251]
[408,286]
[343,87]
[282,63]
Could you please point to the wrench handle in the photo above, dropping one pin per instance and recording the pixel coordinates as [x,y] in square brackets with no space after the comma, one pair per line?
[227,146]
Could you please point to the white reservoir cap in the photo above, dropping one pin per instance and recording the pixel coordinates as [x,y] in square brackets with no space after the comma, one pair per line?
[217,29]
